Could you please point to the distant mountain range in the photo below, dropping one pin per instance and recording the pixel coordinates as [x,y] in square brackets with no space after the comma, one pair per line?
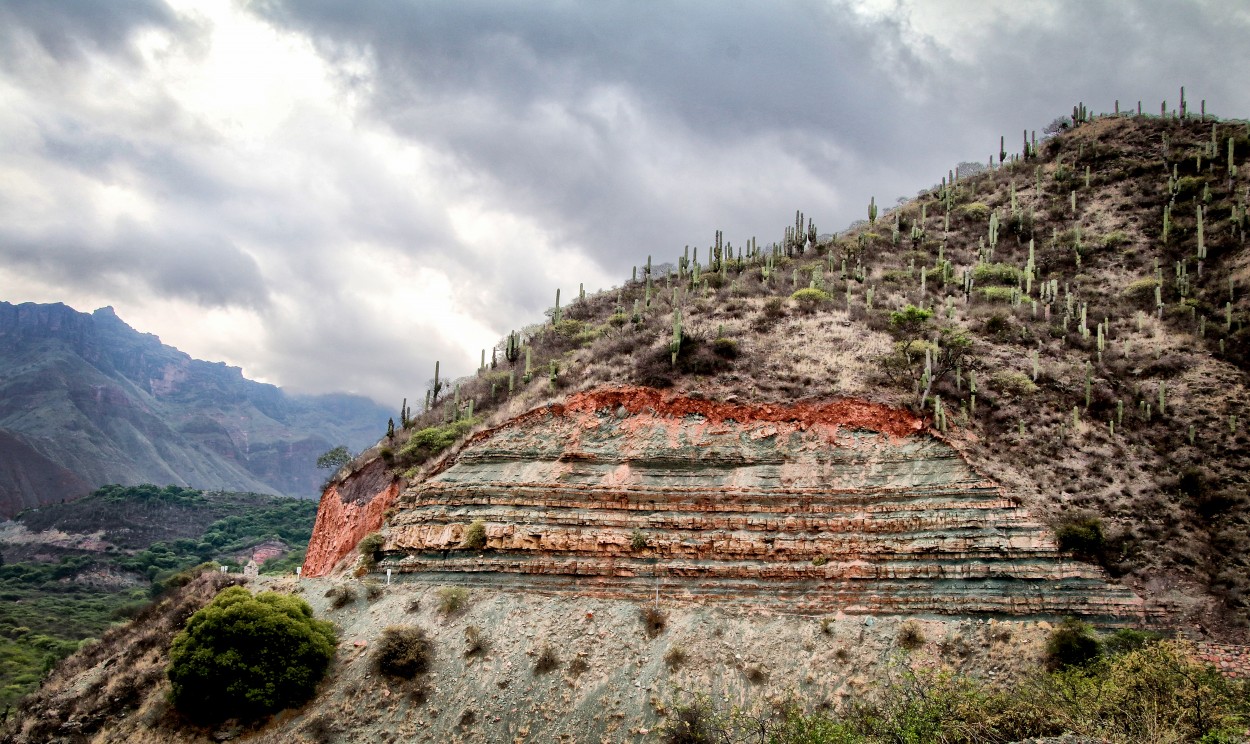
[87,400]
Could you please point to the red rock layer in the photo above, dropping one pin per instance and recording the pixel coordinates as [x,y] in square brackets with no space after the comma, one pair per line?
[349,511]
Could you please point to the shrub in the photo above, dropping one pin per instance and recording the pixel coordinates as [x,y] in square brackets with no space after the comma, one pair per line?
[578,666]
[369,546]
[997,294]
[246,656]
[425,443]
[403,651]
[341,596]
[475,641]
[725,348]
[1082,537]
[654,620]
[547,660]
[452,599]
[911,635]
[774,308]
[975,211]
[1072,643]
[637,540]
[1015,383]
[374,590]
[674,657]
[810,299]
[996,273]
[475,536]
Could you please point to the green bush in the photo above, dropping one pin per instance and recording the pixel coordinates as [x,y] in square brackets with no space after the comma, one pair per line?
[810,298]
[427,442]
[1082,537]
[370,545]
[246,656]
[1072,643]
[637,540]
[403,651]
[975,211]
[996,273]
[1015,383]
[997,294]
[475,535]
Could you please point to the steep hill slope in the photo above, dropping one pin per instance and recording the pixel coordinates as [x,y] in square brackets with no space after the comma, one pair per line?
[1081,309]
[87,400]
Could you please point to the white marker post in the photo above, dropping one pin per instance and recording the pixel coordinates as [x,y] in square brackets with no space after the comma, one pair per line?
[388,577]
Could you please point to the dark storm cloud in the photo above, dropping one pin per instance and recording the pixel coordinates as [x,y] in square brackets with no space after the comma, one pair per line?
[203,268]
[586,114]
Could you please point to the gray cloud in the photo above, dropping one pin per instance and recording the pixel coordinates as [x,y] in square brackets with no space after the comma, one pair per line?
[65,28]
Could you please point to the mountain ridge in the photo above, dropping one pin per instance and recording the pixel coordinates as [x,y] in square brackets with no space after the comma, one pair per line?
[109,404]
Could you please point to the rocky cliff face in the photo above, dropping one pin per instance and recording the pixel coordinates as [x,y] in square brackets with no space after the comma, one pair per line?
[621,493]
[87,400]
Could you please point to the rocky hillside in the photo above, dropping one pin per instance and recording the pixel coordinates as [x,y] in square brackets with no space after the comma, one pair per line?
[86,400]
[1069,320]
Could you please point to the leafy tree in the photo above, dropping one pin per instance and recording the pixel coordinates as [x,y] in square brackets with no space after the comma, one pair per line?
[334,458]
[246,656]
[921,356]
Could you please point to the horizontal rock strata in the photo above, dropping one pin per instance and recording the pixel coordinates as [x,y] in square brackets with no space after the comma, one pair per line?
[844,506]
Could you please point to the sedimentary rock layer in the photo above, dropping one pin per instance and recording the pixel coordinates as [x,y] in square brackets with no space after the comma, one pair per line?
[840,506]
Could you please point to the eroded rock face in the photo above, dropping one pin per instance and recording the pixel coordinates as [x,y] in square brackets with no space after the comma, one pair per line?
[846,506]
[349,511]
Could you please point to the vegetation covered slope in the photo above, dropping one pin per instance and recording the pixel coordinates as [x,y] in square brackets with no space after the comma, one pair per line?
[69,571]
[86,400]
[1076,328]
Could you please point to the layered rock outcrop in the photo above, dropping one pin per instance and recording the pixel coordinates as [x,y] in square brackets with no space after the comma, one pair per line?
[845,505]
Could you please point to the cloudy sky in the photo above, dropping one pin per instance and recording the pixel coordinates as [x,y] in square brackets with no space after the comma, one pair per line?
[332,195]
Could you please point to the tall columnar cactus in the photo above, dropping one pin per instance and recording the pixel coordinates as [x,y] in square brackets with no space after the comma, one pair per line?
[1167,221]
[872,201]
[529,365]
[1202,245]
[555,314]
[437,385]
[1002,149]
[1163,406]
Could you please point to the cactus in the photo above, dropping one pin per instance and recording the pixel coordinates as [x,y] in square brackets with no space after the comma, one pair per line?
[1202,246]
[529,366]
[555,314]
[1119,412]
[1163,408]
[438,386]
[551,377]
[872,201]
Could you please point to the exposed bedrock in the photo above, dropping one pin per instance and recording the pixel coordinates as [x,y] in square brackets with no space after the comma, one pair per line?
[842,506]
